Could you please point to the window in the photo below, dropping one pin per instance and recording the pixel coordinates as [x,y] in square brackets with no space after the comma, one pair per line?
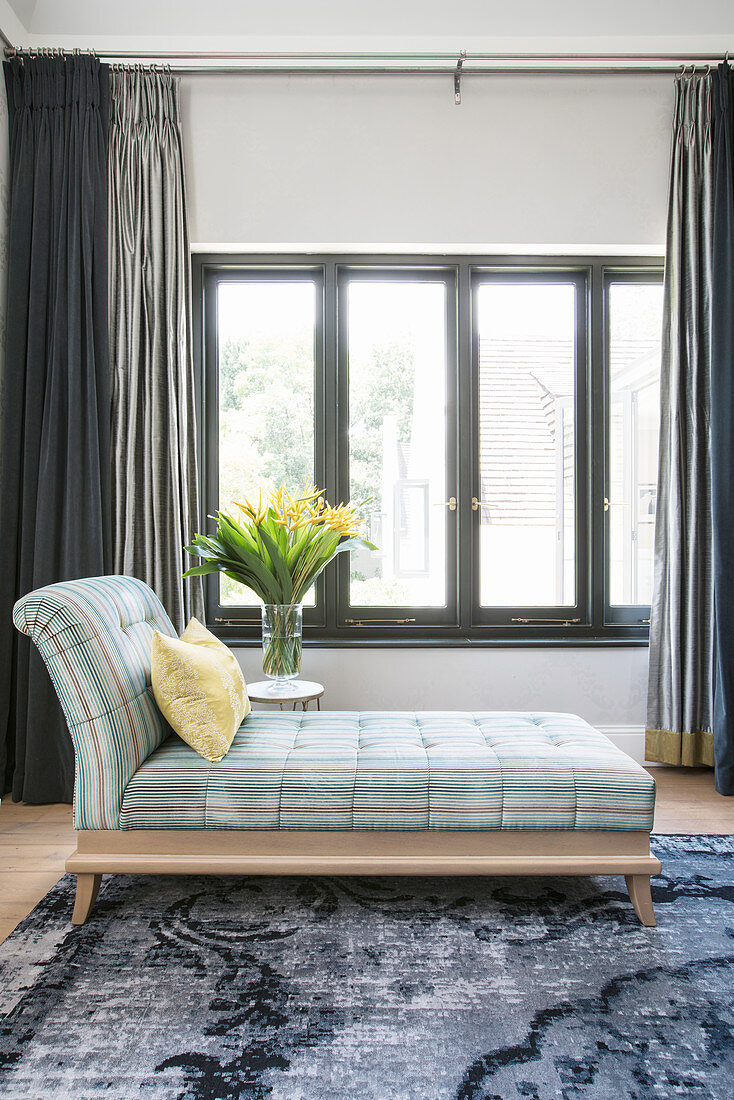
[265,370]
[398,356]
[498,417]
[527,349]
[634,323]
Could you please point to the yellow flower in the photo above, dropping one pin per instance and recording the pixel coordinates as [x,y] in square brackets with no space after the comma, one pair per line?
[342,520]
[308,508]
[255,513]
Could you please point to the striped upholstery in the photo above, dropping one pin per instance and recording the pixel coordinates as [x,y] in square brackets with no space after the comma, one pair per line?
[337,770]
[95,637]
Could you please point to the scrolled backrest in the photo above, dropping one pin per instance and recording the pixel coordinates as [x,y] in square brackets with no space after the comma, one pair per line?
[94,636]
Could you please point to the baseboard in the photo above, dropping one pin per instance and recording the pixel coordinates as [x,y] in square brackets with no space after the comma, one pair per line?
[630,739]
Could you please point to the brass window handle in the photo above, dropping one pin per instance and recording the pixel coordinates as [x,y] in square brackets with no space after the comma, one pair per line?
[559,622]
[452,504]
[372,622]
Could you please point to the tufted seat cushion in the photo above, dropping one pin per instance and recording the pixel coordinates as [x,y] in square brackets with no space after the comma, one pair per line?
[403,771]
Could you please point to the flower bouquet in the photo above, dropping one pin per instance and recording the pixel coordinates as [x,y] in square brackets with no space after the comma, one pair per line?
[278,548]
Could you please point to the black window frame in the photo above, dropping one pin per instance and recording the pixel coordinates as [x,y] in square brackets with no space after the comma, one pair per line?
[618,614]
[471,625]
[226,615]
[377,617]
[526,614]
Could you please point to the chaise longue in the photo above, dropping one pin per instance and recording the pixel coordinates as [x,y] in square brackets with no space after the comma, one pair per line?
[329,792]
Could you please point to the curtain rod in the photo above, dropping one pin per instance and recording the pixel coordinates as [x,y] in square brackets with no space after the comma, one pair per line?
[377,64]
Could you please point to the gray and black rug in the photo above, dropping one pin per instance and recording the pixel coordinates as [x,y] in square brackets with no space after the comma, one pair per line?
[377,989]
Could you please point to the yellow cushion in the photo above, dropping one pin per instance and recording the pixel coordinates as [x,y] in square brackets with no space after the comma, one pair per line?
[199,688]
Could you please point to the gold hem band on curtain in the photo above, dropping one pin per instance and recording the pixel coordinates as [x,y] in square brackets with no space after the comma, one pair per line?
[688,750]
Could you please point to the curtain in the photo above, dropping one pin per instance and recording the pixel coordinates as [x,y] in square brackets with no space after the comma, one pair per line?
[154,454]
[722,427]
[54,480]
[679,698]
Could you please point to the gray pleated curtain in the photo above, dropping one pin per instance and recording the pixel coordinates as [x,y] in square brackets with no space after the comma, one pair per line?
[679,698]
[691,691]
[154,465]
[54,464]
[722,427]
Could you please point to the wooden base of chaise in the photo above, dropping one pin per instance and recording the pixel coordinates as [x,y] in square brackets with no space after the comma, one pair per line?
[638,887]
[87,888]
[296,852]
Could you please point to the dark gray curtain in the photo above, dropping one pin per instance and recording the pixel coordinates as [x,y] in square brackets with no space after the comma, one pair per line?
[722,427]
[155,482]
[679,698]
[55,418]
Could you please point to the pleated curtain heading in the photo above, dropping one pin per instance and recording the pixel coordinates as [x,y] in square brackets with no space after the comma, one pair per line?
[154,436]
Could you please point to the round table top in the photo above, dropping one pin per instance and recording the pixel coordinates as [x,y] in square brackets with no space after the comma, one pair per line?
[293,691]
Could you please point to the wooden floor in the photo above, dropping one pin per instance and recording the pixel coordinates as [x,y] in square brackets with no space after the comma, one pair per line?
[35,840]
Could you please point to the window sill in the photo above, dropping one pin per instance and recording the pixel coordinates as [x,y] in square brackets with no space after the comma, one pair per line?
[613,638]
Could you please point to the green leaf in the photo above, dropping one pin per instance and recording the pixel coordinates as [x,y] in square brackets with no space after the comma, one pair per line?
[242,536]
[260,580]
[201,570]
[356,543]
[286,581]
[299,541]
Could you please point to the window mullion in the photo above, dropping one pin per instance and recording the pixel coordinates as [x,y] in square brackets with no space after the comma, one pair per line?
[331,425]
[466,432]
[597,447]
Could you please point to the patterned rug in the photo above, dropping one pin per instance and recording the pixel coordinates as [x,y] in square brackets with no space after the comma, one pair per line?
[377,989]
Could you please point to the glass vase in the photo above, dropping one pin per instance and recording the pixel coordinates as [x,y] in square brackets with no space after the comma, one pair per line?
[282,646]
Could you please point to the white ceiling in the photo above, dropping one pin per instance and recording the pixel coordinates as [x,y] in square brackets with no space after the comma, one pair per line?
[664,25]
[24,10]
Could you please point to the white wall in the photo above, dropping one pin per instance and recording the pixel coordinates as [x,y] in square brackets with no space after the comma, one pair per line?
[565,161]
[408,18]
[555,161]
[382,25]
[606,687]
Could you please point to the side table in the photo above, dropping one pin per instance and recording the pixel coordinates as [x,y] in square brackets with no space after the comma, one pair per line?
[295,691]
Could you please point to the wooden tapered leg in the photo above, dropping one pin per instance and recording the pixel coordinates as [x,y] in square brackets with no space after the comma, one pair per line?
[641,897]
[87,887]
